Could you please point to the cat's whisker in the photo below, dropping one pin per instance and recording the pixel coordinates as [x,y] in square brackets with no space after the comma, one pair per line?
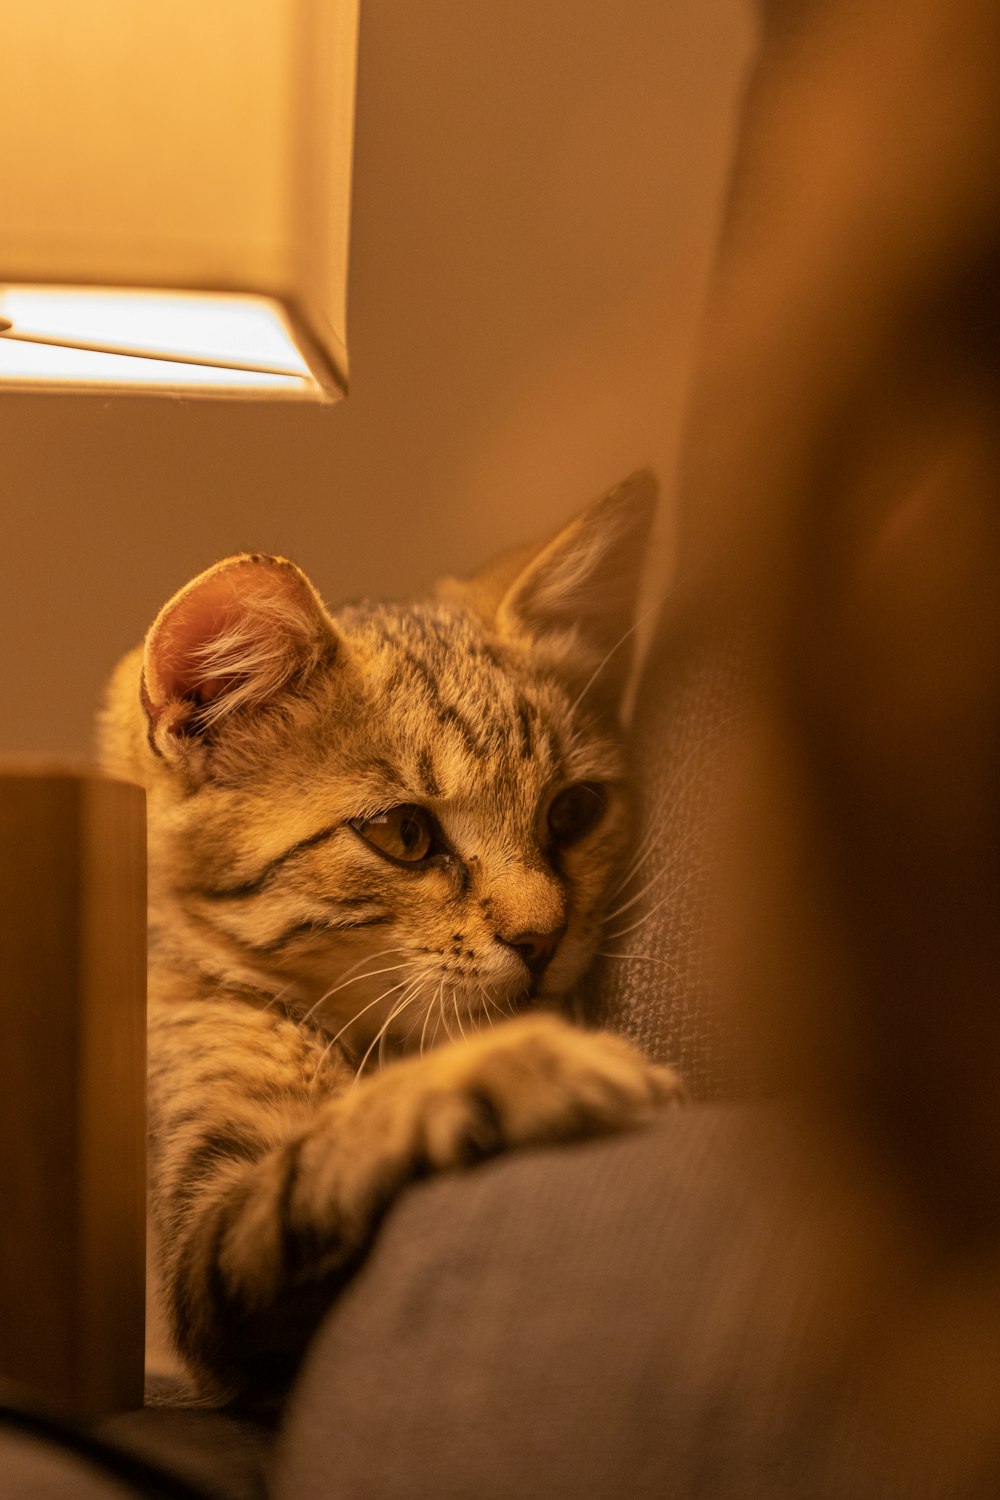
[378,998]
[356,978]
[444,1017]
[491,1003]
[336,1038]
[458,1014]
[319,1067]
[367,958]
[679,848]
[614,937]
[377,1038]
[692,764]
[692,868]
[277,997]
[509,1008]
[401,1005]
[404,1006]
[617,646]
[646,958]
[675,789]
[427,1015]
[364,1008]
[624,906]
[414,1022]
[382,1036]
[502,1008]
[644,850]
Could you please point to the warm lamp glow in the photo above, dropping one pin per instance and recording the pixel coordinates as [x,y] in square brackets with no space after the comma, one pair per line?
[181,144]
[114,336]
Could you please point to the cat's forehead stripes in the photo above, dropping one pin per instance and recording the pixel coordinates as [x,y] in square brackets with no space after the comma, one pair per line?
[463,709]
[429,784]
[447,714]
[524,726]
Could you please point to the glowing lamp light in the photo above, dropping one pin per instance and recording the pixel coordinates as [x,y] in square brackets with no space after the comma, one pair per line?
[179,222]
[82,336]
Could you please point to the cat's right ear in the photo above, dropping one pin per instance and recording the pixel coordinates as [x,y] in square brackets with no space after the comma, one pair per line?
[574,597]
[232,640]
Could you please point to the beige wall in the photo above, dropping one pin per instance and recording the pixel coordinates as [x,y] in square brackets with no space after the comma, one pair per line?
[537,190]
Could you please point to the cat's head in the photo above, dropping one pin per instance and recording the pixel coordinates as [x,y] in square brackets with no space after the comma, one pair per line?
[415,807]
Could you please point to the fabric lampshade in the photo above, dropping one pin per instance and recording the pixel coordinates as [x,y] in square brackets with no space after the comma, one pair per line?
[178,146]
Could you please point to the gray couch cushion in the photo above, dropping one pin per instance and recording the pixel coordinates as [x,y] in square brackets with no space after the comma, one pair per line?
[629,1317]
[163,1453]
[41,1471]
[225,1452]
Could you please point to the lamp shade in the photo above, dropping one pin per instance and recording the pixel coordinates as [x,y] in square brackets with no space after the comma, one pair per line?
[178,146]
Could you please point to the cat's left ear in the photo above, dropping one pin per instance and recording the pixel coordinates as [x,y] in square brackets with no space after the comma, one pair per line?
[235,638]
[575,597]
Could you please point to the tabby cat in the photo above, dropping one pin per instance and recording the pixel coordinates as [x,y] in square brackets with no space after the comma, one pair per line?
[376,838]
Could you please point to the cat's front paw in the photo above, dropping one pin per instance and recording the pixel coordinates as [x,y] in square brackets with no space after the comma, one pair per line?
[529,1082]
[532,1081]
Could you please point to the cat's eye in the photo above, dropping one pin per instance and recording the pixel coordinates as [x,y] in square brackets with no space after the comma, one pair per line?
[575,810]
[405,833]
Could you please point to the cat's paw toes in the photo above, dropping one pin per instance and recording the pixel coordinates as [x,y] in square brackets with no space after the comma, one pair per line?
[537,1080]
[464,1127]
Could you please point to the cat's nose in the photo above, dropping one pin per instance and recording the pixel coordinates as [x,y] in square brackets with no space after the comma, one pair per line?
[535,948]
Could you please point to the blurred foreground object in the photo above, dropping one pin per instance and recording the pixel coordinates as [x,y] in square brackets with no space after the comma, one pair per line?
[842,484]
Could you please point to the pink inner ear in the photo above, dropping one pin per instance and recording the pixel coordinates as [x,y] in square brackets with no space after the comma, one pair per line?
[196,619]
[260,621]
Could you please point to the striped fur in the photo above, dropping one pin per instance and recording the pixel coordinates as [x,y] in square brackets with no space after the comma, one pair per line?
[328,1020]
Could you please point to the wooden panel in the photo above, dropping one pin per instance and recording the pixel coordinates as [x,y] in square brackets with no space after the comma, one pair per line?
[72,1086]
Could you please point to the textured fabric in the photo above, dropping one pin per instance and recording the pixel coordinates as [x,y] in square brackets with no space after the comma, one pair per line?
[31,1470]
[195,1452]
[655,983]
[224,1452]
[632,1317]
